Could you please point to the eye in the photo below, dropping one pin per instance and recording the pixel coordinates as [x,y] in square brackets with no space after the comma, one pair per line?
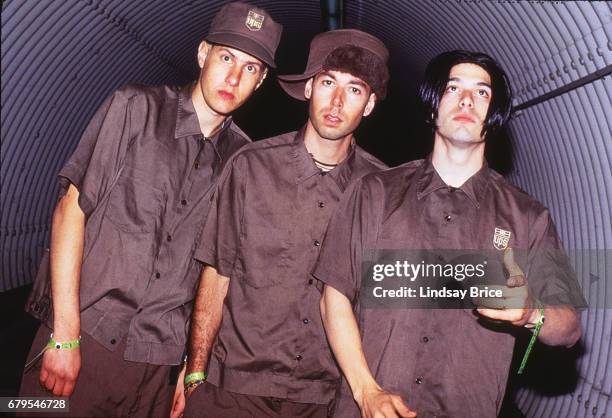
[327,82]
[226,58]
[251,69]
[451,89]
[355,90]
[482,93]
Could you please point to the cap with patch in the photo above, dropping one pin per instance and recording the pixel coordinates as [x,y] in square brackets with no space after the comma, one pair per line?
[247,28]
[348,50]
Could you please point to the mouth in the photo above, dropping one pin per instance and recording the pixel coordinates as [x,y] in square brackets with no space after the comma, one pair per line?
[464,118]
[226,95]
[332,120]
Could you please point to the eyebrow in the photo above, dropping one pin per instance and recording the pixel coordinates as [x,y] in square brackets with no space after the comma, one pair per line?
[222,48]
[354,81]
[480,83]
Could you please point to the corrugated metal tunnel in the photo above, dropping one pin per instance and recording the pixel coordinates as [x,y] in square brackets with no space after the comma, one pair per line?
[60,59]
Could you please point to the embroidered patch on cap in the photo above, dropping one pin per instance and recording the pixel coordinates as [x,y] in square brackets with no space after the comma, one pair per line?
[254,21]
[501,238]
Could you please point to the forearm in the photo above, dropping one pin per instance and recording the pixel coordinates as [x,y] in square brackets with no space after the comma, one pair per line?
[67,241]
[206,318]
[561,326]
[344,338]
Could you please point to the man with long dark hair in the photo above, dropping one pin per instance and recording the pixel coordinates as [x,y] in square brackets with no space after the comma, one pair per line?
[442,362]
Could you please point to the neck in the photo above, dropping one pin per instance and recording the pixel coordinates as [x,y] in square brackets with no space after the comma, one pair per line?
[209,120]
[456,164]
[328,151]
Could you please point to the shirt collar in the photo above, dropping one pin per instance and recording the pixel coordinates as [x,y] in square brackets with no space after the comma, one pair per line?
[307,168]
[187,123]
[429,181]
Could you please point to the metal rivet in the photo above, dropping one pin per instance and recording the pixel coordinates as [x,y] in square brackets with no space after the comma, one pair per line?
[558,73]
[565,69]
[581,61]
[590,56]
[599,52]
[573,64]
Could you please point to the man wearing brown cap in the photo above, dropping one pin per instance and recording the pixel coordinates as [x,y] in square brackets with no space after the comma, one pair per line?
[133,196]
[257,345]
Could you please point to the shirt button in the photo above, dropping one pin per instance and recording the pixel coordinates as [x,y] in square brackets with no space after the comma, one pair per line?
[321,204]
[452,189]
[310,281]
[425,339]
[113,341]
[169,238]
[418,380]
[196,165]
[306,320]
[317,243]
[448,218]
[157,275]
[323,173]
[139,310]
[298,357]
[183,202]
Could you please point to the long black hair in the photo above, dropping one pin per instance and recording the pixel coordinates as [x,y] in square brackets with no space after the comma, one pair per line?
[436,77]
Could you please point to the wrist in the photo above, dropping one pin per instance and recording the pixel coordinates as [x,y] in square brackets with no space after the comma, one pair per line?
[57,344]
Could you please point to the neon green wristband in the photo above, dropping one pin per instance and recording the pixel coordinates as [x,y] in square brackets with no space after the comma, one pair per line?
[534,337]
[192,377]
[65,344]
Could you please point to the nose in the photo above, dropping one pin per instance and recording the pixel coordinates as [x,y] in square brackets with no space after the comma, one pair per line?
[233,76]
[338,98]
[466,99]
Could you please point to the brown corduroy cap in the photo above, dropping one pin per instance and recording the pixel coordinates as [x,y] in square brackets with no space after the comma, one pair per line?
[328,49]
[247,28]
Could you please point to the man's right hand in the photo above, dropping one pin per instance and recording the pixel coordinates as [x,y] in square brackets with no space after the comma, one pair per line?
[378,403]
[60,370]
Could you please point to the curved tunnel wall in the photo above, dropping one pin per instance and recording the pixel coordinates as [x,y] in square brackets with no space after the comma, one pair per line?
[61,58]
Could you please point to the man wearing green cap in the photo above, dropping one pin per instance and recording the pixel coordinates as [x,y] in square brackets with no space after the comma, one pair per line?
[124,230]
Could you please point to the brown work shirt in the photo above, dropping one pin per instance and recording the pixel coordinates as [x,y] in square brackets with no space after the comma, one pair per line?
[443,362]
[145,174]
[264,232]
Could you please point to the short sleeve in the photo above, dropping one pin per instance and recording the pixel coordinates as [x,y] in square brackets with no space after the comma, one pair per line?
[98,157]
[339,263]
[219,240]
[550,274]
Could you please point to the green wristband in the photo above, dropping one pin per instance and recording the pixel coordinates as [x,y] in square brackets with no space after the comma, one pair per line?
[534,337]
[192,377]
[69,345]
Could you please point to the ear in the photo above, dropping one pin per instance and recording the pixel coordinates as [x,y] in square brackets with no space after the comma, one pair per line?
[308,89]
[263,77]
[203,50]
[370,105]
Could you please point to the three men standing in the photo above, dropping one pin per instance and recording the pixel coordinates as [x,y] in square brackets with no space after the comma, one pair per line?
[134,194]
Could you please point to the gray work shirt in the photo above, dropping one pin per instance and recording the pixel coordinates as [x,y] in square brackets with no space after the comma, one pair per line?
[443,362]
[145,174]
[264,232]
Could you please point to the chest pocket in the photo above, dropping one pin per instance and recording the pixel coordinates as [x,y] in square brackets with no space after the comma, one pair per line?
[135,204]
[264,255]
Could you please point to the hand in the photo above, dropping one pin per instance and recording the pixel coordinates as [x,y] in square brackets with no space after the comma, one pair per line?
[178,403]
[60,370]
[378,403]
[516,306]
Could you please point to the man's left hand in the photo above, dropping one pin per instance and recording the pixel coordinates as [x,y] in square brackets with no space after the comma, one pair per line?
[516,306]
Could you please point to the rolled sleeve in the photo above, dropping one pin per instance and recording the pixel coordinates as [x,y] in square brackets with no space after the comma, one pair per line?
[339,263]
[98,157]
[220,238]
[550,274]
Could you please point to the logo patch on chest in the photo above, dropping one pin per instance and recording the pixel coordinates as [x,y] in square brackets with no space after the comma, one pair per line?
[501,238]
